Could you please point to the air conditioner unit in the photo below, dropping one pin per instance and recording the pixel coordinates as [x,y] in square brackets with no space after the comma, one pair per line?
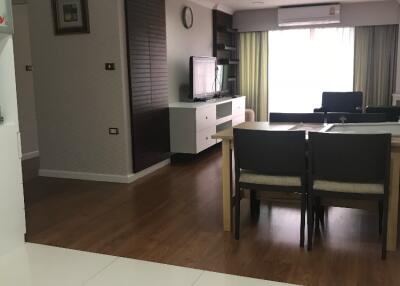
[309,15]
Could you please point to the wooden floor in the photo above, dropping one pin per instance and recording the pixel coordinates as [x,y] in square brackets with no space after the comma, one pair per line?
[174,216]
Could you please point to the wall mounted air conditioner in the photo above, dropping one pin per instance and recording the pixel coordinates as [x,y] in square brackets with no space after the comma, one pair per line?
[309,15]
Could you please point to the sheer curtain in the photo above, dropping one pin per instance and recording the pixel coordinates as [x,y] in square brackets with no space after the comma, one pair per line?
[375,63]
[305,62]
[254,72]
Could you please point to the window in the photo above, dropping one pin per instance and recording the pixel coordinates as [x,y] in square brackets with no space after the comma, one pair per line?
[305,62]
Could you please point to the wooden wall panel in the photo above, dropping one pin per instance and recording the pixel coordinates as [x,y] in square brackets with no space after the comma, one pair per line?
[147,58]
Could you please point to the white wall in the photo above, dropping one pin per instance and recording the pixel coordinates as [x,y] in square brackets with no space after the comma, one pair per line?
[77,100]
[183,43]
[8,98]
[24,79]
[353,14]
[12,215]
[398,65]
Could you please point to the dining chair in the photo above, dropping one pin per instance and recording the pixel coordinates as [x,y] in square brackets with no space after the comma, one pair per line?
[347,117]
[282,117]
[348,166]
[270,161]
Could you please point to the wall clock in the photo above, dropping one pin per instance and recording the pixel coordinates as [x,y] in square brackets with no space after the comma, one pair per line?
[187,17]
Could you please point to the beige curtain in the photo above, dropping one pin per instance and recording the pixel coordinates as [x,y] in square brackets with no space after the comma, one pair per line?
[254,72]
[375,60]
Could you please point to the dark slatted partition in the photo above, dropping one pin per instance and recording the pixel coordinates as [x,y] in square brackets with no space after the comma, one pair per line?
[147,57]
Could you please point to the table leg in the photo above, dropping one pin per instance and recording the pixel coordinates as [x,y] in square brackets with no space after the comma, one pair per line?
[226,184]
[393,202]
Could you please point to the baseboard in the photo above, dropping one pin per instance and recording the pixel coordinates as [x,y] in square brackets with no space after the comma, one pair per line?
[30,155]
[133,177]
[83,176]
[101,177]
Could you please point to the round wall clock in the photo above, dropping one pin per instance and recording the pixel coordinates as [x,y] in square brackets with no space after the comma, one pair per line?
[187,17]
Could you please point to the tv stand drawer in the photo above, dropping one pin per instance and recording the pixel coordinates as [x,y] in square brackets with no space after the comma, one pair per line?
[238,106]
[193,123]
[204,140]
[205,117]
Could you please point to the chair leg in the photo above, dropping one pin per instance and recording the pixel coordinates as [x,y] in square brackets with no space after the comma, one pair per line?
[384,227]
[310,222]
[303,218]
[380,205]
[237,213]
[319,214]
[254,206]
[322,216]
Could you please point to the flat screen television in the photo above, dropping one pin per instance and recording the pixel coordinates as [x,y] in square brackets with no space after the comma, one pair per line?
[202,77]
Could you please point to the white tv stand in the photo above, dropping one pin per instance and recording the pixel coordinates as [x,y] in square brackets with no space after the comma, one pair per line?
[193,123]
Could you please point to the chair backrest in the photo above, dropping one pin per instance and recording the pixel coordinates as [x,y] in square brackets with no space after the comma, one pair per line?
[392,112]
[347,117]
[342,101]
[296,117]
[270,152]
[349,157]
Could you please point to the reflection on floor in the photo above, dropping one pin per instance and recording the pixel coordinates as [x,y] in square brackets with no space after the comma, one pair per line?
[39,265]
[175,217]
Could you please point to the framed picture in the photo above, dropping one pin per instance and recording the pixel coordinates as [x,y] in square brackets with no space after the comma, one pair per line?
[6,20]
[70,16]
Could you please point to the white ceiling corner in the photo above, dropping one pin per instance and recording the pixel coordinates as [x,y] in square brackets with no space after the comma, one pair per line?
[225,8]
[214,5]
[205,3]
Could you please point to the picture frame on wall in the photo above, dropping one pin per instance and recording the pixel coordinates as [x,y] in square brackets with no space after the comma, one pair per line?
[6,19]
[71,16]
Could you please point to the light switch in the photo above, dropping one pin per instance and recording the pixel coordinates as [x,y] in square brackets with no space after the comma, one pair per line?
[113,131]
[110,66]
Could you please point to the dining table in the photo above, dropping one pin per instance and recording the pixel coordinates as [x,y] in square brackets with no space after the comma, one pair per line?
[226,136]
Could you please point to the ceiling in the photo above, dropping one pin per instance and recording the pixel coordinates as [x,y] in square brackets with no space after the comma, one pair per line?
[236,5]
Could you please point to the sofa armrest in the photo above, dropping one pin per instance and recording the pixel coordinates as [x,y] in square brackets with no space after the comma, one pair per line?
[358,109]
[321,109]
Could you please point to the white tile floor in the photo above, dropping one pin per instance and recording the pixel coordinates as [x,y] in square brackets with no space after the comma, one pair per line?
[40,265]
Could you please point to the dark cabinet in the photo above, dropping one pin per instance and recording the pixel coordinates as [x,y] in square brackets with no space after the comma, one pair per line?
[225,49]
[148,76]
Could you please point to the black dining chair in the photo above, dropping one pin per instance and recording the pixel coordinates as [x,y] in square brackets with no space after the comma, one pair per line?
[348,166]
[270,161]
[278,117]
[345,117]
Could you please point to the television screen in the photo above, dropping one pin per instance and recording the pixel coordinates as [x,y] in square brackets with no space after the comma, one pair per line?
[202,77]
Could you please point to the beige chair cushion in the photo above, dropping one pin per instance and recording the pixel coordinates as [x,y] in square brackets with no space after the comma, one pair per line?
[356,188]
[260,179]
